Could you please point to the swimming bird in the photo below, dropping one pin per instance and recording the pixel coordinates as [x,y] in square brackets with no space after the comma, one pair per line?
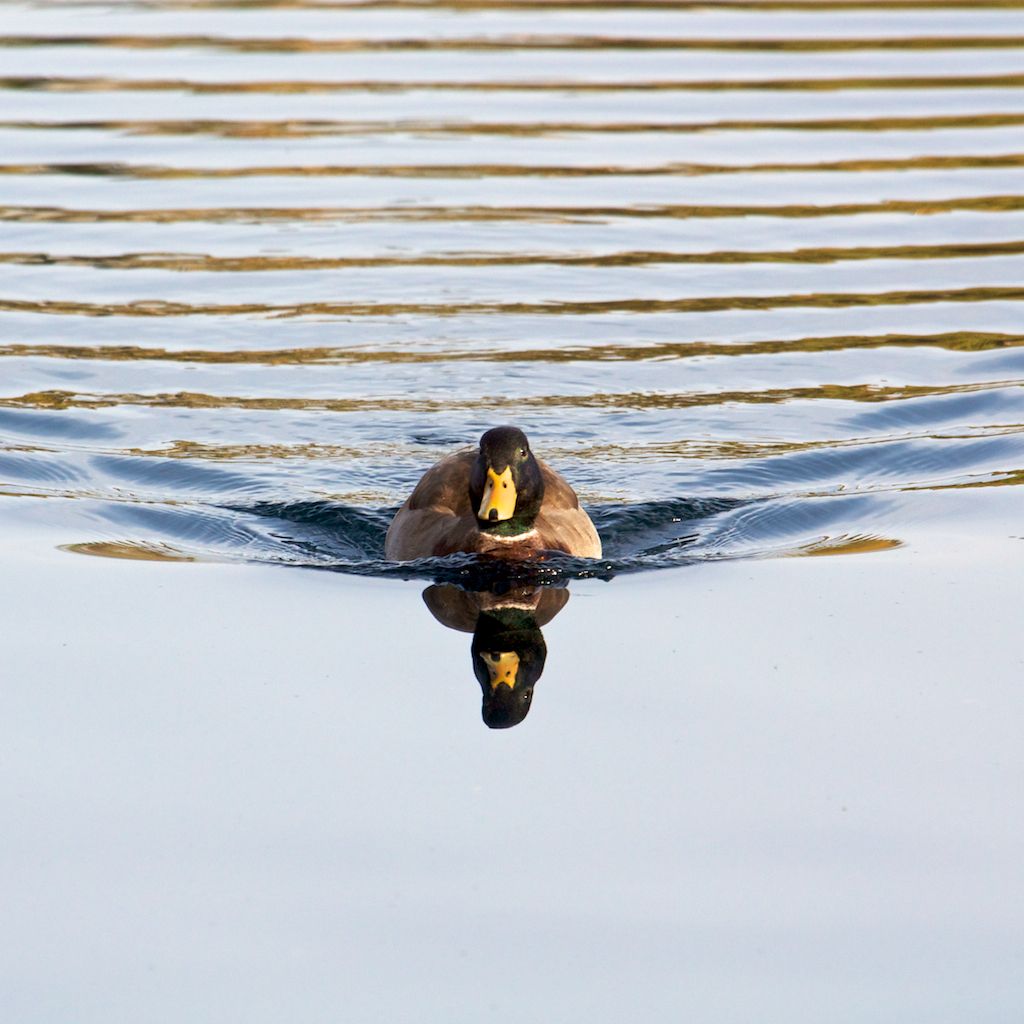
[498,499]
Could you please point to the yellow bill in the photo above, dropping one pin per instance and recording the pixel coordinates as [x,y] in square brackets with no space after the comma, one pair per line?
[499,500]
[502,668]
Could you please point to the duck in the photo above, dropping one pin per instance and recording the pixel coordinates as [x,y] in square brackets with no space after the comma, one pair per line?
[496,499]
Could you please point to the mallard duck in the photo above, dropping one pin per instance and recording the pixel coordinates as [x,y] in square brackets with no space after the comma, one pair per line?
[498,499]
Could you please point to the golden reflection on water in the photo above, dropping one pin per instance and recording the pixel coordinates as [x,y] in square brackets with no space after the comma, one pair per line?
[875,393]
[514,170]
[1009,478]
[709,304]
[856,545]
[299,129]
[286,44]
[655,452]
[249,264]
[87,83]
[542,214]
[954,341]
[134,550]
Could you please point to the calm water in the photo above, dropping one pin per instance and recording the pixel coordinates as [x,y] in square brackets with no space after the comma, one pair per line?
[750,274]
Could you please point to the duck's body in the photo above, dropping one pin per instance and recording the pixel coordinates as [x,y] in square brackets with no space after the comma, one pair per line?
[494,501]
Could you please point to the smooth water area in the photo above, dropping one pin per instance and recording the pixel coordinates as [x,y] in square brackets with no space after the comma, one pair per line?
[748,273]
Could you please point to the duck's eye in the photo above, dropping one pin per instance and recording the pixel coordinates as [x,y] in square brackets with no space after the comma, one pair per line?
[522,453]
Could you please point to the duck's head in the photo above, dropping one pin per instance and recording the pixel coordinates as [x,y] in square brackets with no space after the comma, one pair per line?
[505,485]
[508,657]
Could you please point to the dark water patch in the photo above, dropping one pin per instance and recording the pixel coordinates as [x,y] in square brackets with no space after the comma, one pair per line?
[37,467]
[653,529]
[871,464]
[185,477]
[195,531]
[329,530]
[29,423]
[1000,406]
[438,437]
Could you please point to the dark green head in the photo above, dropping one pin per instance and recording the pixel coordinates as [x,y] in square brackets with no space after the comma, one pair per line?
[508,658]
[505,485]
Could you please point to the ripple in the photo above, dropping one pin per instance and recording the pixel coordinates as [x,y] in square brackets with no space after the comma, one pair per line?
[571,214]
[92,83]
[466,170]
[35,466]
[135,550]
[606,400]
[952,341]
[641,537]
[171,476]
[179,262]
[299,44]
[300,129]
[704,304]
[171,420]
[572,5]
[32,424]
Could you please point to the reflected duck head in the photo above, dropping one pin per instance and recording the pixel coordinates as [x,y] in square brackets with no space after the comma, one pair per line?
[508,653]
[506,487]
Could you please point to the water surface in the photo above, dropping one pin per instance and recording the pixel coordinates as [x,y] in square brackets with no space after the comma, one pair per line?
[749,274]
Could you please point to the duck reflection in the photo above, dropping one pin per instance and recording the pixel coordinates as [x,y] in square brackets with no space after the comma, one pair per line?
[508,648]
